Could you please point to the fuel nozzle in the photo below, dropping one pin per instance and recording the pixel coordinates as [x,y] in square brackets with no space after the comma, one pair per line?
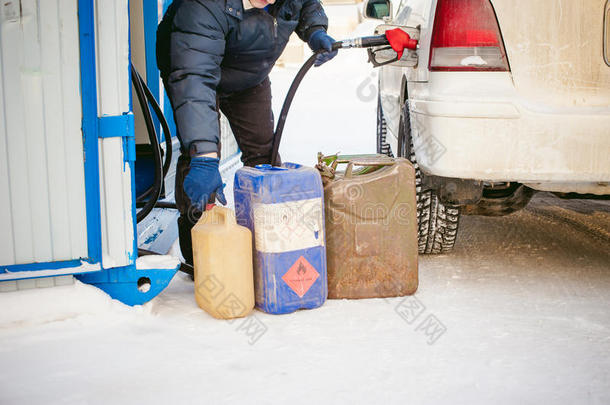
[400,40]
[396,38]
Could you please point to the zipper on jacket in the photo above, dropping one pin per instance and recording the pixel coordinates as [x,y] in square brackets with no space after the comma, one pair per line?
[274,10]
[274,23]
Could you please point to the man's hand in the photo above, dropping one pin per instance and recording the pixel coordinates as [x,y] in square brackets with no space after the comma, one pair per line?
[320,40]
[202,180]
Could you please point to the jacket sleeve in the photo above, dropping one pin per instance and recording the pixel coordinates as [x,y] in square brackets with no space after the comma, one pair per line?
[197,44]
[313,18]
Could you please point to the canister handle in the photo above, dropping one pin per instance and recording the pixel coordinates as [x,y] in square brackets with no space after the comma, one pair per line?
[365,162]
[225,215]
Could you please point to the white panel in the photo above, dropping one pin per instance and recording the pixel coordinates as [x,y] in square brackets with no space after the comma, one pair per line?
[72,115]
[7,248]
[55,139]
[12,41]
[117,223]
[31,82]
[40,134]
[112,33]
[103,213]
[37,179]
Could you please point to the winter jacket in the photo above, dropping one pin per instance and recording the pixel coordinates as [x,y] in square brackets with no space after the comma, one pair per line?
[205,46]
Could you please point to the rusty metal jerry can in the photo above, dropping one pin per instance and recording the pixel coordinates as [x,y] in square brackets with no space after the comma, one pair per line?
[371,226]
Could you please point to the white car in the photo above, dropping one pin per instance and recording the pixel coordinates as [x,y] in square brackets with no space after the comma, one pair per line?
[501,98]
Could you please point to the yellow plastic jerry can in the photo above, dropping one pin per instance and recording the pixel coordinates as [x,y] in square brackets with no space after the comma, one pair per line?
[222,257]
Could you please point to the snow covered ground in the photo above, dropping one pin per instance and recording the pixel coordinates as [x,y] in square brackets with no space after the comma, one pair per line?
[519,313]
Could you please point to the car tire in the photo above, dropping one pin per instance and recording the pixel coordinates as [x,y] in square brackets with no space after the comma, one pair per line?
[437,222]
[382,130]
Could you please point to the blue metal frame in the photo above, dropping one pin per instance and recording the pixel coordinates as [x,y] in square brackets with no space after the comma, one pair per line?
[129,153]
[115,125]
[40,266]
[167,106]
[151,20]
[160,223]
[95,127]
[86,18]
[120,282]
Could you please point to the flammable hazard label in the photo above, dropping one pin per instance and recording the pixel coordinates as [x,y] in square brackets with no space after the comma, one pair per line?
[301,276]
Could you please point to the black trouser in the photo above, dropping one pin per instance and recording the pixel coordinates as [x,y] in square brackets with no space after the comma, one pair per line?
[251,119]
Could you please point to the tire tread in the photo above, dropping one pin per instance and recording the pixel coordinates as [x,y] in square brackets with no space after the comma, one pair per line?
[437,223]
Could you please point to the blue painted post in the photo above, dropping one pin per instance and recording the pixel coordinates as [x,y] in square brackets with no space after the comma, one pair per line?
[89,104]
[151,21]
[122,283]
[167,107]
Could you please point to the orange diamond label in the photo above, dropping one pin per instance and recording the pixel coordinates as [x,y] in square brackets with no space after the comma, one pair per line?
[301,276]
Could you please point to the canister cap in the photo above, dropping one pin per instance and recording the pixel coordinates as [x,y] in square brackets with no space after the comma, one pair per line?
[267,167]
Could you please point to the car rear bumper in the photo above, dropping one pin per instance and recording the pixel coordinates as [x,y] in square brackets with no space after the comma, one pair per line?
[509,141]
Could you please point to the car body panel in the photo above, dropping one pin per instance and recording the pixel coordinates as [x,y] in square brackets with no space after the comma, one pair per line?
[499,139]
[555,49]
[546,123]
[413,13]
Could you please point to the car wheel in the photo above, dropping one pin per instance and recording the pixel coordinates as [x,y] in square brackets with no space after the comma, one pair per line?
[437,222]
[382,130]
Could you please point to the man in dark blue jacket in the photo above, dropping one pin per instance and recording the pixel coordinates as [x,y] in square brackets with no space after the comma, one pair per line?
[217,54]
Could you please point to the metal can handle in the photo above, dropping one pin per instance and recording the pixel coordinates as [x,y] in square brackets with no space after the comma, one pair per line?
[366,162]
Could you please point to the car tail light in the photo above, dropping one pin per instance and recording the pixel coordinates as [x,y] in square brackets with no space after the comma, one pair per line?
[466,37]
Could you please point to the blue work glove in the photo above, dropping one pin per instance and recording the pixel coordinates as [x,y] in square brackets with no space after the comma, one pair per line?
[202,180]
[320,40]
